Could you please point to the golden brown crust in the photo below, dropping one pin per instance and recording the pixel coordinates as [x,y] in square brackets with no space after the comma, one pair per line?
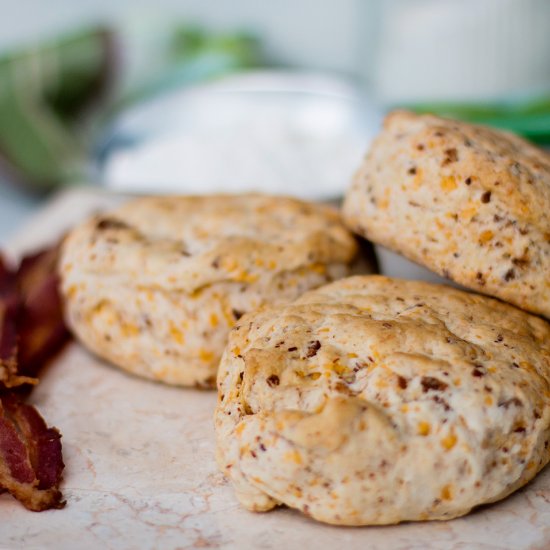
[468,202]
[374,400]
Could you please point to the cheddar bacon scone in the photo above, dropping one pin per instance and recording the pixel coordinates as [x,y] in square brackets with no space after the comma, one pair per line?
[468,202]
[155,286]
[374,401]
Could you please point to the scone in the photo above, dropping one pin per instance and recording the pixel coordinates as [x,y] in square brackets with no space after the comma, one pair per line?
[374,401]
[468,202]
[155,286]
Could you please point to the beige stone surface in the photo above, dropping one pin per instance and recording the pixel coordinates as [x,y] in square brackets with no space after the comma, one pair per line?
[141,471]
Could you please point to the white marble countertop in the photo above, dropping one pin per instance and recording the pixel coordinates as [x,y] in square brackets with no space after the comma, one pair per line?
[140,469]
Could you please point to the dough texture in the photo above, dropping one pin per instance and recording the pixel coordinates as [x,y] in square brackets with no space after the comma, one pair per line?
[155,286]
[374,401]
[468,202]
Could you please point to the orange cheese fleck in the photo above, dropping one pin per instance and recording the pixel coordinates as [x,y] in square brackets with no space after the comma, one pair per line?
[447,492]
[240,428]
[177,334]
[293,456]
[424,428]
[214,321]
[319,268]
[205,355]
[486,236]
[449,441]
[229,264]
[245,277]
[448,183]
[337,368]
[418,178]
[129,329]
[468,213]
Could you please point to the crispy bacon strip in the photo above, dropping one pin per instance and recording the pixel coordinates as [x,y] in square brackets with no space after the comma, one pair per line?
[10,309]
[6,275]
[31,332]
[30,456]
[42,331]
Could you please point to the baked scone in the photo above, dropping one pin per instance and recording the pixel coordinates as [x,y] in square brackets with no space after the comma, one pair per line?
[468,202]
[155,285]
[374,401]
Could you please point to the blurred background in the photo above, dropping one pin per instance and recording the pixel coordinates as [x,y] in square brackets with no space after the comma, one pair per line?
[196,96]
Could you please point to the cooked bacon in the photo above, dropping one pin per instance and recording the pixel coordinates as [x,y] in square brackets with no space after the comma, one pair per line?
[30,456]
[6,274]
[34,268]
[42,331]
[31,332]
[10,309]
[9,303]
